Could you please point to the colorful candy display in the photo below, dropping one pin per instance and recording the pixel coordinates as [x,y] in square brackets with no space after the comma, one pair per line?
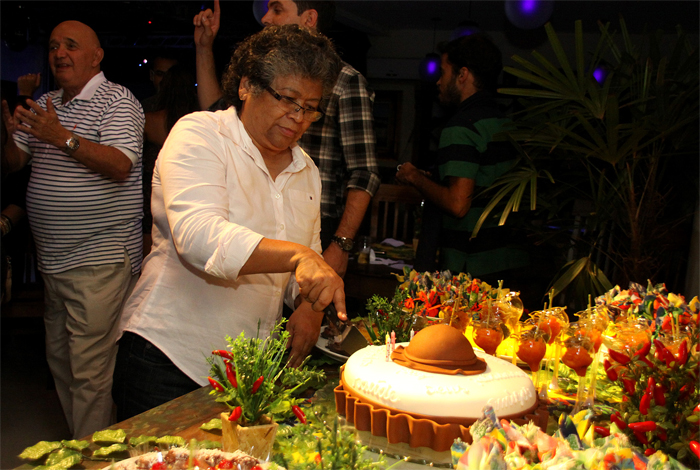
[576,444]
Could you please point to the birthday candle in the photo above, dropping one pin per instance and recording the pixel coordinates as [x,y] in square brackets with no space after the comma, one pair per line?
[412,333]
[387,342]
[393,341]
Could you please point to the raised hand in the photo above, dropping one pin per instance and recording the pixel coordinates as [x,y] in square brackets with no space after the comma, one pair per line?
[27,84]
[206,26]
[43,124]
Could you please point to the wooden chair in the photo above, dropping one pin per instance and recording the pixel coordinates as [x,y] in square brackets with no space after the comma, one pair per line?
[392,215]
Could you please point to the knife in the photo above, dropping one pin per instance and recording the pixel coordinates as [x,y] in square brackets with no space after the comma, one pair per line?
[350,339]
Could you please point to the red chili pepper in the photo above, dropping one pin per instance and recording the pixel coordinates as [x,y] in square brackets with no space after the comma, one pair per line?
[601,431]
[317,458]
[650,385]
[159,466]
[256,467]
[645,403]
[231,375]
[641,437]
[257,384]
[610,370]
[216,385]
[617,419]
[695,448]
[644,350]
[629,385]
[222,353]
[235,414]
[685,391]
[664,354]
[619,357]
[683,352]
[647,362]
[661,433]
[660,395]
[225,464]
[299,414]
[649,451]
[643,426]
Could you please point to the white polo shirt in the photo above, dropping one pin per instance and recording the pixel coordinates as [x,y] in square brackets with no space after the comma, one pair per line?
[80,217]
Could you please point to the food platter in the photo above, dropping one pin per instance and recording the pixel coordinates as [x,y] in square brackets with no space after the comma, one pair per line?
[246,463]
[322,343]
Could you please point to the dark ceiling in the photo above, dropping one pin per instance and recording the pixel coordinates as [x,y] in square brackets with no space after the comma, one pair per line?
[133,30]
[130,19]
[490,14]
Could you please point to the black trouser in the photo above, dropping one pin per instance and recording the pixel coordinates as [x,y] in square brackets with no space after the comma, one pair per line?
[144,377]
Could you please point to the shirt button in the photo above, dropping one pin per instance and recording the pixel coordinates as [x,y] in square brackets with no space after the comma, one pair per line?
[281,226]
[277,196]
[278,292]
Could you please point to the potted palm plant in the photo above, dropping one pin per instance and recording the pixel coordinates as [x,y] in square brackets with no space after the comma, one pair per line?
[251,377]
[607,163]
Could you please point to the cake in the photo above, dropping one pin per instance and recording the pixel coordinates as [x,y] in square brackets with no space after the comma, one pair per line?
[432,389]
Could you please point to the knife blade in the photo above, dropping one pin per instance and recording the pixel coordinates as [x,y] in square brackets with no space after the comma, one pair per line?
[350,338]
[332,316]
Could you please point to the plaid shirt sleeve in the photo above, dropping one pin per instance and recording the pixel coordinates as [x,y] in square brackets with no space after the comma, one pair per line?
[357,137]
[342,144]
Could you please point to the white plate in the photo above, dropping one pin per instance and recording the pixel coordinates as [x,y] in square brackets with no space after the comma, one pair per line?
[119,463]
[321,344]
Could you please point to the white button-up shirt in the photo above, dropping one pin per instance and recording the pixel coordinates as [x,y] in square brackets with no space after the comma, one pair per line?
[213,201]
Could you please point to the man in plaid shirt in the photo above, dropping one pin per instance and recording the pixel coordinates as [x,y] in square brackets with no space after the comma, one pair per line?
[342,143]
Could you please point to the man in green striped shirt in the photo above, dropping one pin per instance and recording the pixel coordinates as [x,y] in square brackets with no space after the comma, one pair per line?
[468,161]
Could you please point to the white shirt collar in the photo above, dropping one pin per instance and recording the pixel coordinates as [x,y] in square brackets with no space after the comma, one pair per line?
[231,126]
[89,89]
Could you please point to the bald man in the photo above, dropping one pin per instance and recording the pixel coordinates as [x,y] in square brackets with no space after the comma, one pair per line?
[85,207]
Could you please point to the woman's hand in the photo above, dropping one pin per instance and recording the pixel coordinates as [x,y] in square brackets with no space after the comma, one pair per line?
[304,326]
[319,284]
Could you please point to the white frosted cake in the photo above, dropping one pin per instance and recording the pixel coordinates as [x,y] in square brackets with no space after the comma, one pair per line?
[504,386]
[397,397]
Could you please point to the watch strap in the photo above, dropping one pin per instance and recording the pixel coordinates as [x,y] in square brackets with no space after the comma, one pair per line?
[345,244]
[72,144]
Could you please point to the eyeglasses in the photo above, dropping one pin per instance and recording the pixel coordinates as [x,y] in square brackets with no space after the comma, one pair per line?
[291,106]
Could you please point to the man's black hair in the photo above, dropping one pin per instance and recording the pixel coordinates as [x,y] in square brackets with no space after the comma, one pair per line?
[325,10]
[477,53]
[167,54]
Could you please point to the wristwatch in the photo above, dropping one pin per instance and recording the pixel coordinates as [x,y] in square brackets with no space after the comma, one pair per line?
[72,144]
[345,244]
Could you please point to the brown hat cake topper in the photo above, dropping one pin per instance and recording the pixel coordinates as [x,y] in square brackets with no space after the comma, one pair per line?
[440,349]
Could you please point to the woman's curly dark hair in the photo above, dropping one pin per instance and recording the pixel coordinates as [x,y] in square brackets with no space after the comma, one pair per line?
[280,51]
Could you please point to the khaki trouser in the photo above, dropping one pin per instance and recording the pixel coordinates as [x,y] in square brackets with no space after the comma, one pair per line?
[83,307]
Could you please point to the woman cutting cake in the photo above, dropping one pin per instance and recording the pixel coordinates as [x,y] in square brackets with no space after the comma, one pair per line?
[236,209]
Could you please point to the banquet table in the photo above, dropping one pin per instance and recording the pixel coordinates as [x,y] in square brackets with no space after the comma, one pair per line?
[185,415]
[180,417]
